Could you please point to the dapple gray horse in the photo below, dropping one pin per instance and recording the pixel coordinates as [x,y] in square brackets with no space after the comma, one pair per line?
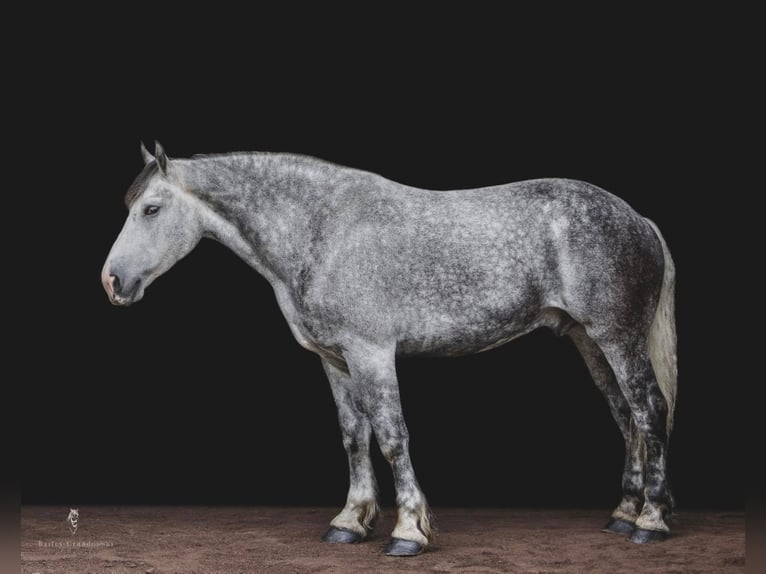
[365,269]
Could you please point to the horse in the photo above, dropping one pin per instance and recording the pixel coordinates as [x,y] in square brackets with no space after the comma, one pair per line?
[366,269]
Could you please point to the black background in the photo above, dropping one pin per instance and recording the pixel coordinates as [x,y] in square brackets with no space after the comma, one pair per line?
[199,394]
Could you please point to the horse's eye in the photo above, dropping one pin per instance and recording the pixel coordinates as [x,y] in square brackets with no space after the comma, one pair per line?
[151,209]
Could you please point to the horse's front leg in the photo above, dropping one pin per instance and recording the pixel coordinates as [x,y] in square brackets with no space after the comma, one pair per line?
[357,518]
[373,371]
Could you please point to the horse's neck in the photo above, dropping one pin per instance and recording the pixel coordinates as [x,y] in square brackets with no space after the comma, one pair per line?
[266,203]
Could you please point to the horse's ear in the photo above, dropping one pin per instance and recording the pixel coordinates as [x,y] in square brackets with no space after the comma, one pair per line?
[161,157]
[145,154]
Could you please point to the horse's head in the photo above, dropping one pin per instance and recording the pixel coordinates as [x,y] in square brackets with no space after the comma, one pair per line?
[161,228]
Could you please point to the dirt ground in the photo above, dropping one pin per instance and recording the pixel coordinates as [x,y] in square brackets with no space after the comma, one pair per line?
[245,540]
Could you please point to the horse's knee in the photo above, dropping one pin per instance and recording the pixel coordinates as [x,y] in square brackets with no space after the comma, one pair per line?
[393,449]
[353,444]
[393,440]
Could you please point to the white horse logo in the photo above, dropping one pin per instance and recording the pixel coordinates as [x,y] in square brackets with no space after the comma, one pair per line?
[72,518]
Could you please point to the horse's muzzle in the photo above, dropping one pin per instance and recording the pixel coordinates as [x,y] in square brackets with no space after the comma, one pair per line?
[116,290]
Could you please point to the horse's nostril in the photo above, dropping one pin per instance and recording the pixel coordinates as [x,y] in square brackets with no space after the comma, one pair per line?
[114,282]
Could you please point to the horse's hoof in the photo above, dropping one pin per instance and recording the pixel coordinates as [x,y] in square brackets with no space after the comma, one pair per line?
[341,536]
[402,547]
[619,526]
[643,536]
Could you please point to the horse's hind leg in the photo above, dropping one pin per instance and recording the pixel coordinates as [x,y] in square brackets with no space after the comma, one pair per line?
[358,517]
[373,370]
[631,364]
[624,517]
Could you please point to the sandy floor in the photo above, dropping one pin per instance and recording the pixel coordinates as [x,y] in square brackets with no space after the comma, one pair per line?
[247,540]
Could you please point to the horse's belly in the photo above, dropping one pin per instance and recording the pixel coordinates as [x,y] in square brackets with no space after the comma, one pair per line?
[450,347]
[450,336]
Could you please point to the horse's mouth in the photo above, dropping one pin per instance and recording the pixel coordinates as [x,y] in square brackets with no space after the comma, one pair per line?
[121,301]
[126,300]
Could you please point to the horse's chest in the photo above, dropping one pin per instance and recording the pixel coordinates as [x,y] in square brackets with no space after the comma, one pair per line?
[308,328]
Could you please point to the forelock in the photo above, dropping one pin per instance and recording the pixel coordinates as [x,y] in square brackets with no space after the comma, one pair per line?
[141,182]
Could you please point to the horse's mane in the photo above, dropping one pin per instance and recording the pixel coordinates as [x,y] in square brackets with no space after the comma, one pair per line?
[141,182]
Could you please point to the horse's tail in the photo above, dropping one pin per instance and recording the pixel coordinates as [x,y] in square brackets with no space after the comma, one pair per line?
[662,336]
